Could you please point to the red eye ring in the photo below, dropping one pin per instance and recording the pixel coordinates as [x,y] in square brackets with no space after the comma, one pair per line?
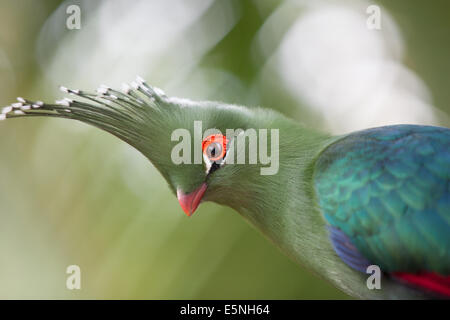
[215,138]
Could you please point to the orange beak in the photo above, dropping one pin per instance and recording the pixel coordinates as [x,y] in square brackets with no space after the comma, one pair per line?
[189,202]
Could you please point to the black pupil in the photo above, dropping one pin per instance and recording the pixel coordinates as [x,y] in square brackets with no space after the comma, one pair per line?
[214,149]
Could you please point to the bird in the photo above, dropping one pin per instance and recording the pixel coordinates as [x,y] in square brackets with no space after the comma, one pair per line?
[339,205]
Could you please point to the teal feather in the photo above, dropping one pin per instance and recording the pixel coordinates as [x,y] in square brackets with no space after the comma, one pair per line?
[388,190]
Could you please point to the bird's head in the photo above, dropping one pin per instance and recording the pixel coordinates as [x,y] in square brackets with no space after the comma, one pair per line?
[192,144]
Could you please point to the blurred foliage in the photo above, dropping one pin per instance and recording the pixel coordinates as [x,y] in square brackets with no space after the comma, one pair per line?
[70,194]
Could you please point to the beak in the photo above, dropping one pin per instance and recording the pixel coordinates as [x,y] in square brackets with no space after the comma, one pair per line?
[189,202]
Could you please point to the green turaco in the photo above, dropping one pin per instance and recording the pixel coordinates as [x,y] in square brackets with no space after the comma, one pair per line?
[368,211]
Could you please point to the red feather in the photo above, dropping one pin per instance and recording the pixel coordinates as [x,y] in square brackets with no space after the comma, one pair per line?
[428,281]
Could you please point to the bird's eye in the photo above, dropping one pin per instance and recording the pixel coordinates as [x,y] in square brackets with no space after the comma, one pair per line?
[213,151]
[215,147]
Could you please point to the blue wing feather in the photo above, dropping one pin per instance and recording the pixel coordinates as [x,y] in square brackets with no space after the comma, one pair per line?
[388,191]
[347,251]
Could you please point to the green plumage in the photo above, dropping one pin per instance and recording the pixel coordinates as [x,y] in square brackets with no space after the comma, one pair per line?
[363,181]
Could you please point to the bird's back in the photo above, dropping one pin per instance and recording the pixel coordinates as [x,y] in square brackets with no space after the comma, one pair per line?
[385,193]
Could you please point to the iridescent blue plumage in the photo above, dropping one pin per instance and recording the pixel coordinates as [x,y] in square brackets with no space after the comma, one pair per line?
[388,190]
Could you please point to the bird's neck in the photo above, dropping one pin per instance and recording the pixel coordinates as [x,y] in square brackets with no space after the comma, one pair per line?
[283,206]
[276,199]
[274,203]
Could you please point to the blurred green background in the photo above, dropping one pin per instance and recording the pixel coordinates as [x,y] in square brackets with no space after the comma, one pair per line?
[71,194]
